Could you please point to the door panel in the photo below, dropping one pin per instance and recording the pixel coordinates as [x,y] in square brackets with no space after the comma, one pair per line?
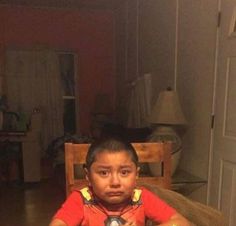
[228,186]
[230,116]
[223,181]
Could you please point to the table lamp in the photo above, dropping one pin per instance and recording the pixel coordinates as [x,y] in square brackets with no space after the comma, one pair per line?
[166,115]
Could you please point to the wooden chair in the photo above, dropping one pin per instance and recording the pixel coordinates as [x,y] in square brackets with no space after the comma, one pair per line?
[147,153]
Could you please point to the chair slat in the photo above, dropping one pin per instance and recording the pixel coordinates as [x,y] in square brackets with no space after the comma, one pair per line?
[147,152]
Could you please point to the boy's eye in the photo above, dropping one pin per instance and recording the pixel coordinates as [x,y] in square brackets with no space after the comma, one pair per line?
[103,173]
[125,172]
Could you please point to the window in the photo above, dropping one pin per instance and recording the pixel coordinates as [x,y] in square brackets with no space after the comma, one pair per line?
[67,72]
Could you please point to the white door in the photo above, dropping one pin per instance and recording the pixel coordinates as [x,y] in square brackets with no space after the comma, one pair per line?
[223,180]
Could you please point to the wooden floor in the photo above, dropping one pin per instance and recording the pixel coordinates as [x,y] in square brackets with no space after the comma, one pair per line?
[30,204]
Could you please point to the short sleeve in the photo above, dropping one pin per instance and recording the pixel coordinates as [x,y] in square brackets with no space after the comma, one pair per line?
[71,211]
[155,208]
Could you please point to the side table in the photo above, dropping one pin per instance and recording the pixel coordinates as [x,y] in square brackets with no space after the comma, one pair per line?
[185,183]
[30,152]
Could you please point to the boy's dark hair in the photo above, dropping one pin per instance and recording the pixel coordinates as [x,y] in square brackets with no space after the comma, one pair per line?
[111,145]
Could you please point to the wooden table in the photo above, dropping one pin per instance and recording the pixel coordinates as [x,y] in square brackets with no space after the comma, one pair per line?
[30,152]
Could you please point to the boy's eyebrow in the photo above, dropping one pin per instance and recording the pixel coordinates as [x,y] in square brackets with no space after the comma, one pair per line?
[110,166]
[126,166]
[104,166]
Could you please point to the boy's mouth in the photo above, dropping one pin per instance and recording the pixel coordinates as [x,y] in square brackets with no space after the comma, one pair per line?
[113,194]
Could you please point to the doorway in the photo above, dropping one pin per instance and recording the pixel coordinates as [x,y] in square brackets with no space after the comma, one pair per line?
[68,78]
[42,82]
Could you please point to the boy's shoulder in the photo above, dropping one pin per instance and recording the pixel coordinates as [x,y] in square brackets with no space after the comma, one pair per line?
[87,194]
[147,194]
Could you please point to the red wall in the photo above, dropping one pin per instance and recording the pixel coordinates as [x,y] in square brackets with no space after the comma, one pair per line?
[89,33]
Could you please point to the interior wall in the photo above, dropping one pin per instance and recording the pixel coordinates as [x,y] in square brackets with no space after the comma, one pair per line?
[120,57]
[195,83]
[157,35]
[147,40]
[1,55]
[127,52]
[192,71]
[88,33]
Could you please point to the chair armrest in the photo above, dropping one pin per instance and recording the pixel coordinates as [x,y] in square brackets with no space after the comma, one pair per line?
[197,213]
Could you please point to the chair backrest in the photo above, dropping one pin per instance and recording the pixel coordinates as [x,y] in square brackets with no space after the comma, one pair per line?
[75,154]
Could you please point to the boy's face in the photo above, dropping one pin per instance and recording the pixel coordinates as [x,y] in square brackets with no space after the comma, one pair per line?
[113,176]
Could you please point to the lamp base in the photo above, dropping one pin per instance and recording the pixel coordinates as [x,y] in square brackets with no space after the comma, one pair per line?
[166,133]
[155,168]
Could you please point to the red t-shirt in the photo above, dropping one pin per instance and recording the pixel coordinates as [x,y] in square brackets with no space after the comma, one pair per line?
[75,211]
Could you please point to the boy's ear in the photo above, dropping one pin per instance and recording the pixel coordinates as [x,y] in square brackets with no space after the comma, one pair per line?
[87,175]
[138,171]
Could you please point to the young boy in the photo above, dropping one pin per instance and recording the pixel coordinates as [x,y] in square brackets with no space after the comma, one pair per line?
[112,197]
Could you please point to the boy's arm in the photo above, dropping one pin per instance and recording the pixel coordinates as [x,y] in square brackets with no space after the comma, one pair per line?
[177,220]
[70,213]
[57,222]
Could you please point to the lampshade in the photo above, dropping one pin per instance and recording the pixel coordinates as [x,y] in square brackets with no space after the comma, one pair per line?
[167,109]
[102,104]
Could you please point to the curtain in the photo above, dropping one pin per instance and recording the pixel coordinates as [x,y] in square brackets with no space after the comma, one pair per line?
[139,102]
[33,82]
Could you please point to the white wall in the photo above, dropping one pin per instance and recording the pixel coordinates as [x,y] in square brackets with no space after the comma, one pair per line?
[157,42]
[146,45]
[151,47]
[195,82]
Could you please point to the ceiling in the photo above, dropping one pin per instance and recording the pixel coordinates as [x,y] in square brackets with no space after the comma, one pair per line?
[61,3]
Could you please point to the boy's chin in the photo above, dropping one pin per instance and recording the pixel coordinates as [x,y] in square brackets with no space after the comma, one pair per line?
[115,201]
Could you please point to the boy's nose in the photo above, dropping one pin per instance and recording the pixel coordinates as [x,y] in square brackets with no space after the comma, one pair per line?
[115,181]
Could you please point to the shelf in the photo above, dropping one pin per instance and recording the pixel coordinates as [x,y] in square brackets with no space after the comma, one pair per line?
[185,183]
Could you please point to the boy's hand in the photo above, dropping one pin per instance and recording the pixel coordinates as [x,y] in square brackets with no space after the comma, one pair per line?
[177,220]
[129,223]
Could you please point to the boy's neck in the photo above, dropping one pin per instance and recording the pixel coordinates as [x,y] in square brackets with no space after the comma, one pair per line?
[120,207]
